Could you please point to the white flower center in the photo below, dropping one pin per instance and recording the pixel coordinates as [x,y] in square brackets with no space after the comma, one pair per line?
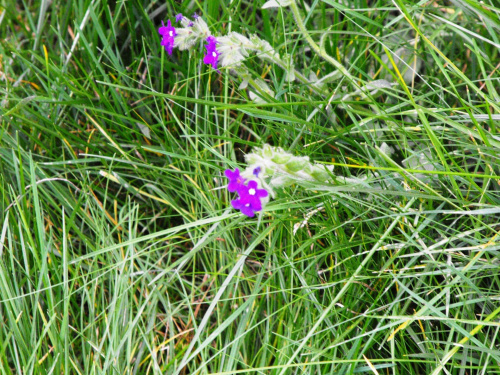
[171,33]
[251,191]
[247,205]
[214,54]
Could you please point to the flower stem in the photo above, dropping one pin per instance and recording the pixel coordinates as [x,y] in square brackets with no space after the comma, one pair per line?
[320,51]
[276,60]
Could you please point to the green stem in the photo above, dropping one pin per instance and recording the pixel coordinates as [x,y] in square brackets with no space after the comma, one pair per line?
[276,60]
[320,51]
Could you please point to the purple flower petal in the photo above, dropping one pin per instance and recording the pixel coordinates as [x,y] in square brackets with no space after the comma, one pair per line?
[255,204]
[252,184]
[252,190]
[168,35]
[247,207]
[249,195]
[235,180]
[179,17]
[232,186]
[232,175]
[236,204]
[242,191]
[212,55]
[262,193]
[247,210]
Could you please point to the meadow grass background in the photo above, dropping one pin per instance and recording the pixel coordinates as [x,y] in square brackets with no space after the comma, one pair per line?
[118,254]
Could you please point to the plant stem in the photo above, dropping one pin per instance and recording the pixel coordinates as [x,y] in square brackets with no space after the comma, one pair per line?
[320,51]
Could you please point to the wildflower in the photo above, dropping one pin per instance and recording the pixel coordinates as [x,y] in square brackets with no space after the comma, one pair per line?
[246,207]
[190,33]
[251,198]
[200,28]
[232,49]
[249,201]
[185,38]
[185,22]
[235,180]
[168,34]
[252,194]
[212,55]
[284,168]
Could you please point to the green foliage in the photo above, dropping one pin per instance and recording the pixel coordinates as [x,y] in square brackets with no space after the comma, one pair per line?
[119,253]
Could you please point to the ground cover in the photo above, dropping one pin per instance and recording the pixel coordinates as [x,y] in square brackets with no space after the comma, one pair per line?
[120,251]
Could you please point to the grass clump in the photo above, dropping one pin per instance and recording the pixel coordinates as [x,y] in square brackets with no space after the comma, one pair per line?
[120,252]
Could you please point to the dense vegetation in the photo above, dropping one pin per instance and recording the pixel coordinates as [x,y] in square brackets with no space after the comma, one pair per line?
[119,250]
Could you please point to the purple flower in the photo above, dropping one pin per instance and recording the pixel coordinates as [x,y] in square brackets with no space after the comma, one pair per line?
[212,56]
[252,194]
[235,180]
[195,15]
[246,207]
[168,34]
[179,17]
[256,171]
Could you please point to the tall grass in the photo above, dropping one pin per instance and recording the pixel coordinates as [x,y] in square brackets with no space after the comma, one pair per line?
[119,252]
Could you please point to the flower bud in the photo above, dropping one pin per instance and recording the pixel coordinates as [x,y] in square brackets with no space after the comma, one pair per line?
[319,174]
[281,181]
[253,159]
[297,164]
[290,69]
[267,151]
[281,158]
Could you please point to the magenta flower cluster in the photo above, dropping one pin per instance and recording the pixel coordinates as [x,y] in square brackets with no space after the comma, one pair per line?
[250,195]
[212,55]
[168,35]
